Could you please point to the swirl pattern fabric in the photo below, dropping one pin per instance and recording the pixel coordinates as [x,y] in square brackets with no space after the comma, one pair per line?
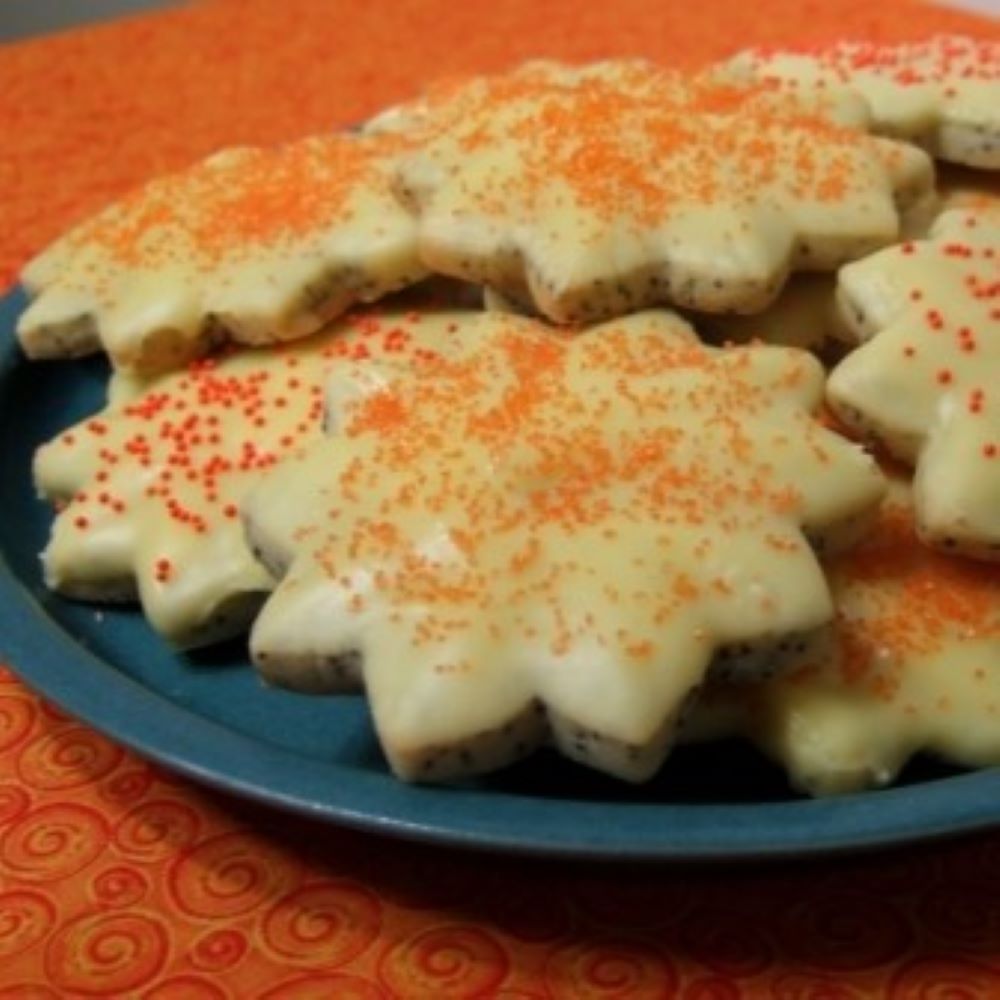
[118,879]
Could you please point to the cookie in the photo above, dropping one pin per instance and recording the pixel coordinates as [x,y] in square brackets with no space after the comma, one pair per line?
[256,245]
[801,316]
[942,93]
[494,301]
[967,188]
[588,193]
[910,664]
[924,382]
[969,221]
[553,532]
[149,489]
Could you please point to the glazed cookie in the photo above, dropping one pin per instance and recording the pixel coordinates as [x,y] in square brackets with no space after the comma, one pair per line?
[553,532]
[801,316]
[149,489]
[253,245]
[978,224]
[942,93]
[965,188]
[590,193]
[925,381]
[911,663]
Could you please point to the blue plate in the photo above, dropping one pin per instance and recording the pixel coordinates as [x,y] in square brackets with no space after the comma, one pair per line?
[208,717]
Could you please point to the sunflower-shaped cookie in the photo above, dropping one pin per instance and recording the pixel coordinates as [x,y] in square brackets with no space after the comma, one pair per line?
[965,187]
[594,192]
[552,532]
[256,245]
[925,381]
[149,489]
[910,663]
[943,92]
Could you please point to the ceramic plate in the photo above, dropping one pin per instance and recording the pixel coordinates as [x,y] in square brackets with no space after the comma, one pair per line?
[208,717]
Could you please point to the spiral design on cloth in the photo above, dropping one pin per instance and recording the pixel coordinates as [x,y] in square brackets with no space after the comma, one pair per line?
[53,841]
[332,922]
[26,917]
[452,962]
[14,801]
[230,874]
[119,886]
[844,931]
[69,757]
[17,716]
[53,712]
[218,950]
[106,953]
[156,829]
[944,979]
[610,968]
[126,787]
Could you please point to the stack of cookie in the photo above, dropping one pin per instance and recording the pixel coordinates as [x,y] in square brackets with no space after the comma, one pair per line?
[596,406]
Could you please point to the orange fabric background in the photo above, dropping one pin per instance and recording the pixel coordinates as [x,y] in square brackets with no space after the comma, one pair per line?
[117,879]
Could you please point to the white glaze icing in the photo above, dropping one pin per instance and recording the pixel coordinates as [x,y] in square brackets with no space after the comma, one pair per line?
[943,93]
[595,192]
[578,519]
[259,245]
[151,486]
[926,379]
[912,663]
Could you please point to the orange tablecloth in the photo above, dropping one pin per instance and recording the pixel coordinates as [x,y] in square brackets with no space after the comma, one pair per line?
[117,879]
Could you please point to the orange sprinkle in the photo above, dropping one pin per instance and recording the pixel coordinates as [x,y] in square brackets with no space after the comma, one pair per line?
[921,600]
[170,68]
[244,198]
[516,441]
[608,139]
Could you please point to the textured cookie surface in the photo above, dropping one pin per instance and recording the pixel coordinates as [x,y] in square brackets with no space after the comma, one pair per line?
[575,521]
[149,489]
[926,381]
[964,187]
[801,316]
[911,663]
[973,220]
[943,93]
[592,192]
[254,245]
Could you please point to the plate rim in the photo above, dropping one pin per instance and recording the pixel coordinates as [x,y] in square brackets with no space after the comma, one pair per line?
[49,659]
